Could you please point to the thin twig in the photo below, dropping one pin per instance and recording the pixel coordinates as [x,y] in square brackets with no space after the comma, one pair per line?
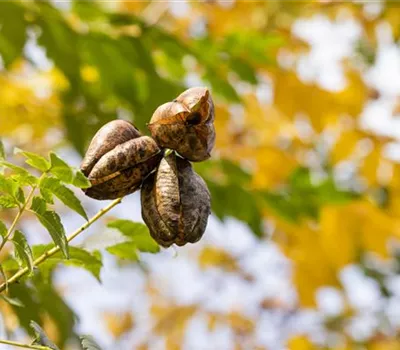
[26,346]
[19,214]
[56,249]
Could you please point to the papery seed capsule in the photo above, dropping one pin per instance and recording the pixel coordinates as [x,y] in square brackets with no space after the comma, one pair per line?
[186,124]
[176,203]
[118,160]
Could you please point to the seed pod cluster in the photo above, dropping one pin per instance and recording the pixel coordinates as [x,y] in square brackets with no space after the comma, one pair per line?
[175,200]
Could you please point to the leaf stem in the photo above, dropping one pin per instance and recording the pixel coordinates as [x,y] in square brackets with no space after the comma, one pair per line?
[19,214]
[56,249]
[26,346]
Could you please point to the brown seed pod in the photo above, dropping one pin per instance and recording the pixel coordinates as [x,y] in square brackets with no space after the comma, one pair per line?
[186,124]
[118,159]
[109,135]
[176,203]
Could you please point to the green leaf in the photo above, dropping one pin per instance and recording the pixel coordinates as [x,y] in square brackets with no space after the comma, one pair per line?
[20,196]
[77,257]
[12,301]
[3,273]
[23,252]
[60,169]
[2,151]
[51,221]
[244,70]
[125,250]
[63,193]
[34,160]
[138,233]
[129,228]
[17,169]
[47,195]
[40,298]
[21,176]
[289,202]
[88,343]
[9,264]
[7,202]
[38,205]
[3,229]
[41,337]
[13,31]
[25,179]
[146,244]
[80,180]
[8,185]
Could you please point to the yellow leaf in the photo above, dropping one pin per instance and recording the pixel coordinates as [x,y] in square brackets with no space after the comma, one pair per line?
[10,319]
[300,343]
[118,323]
[240,324]
[50,327]
[214,257]
[312,269]
[292,97]
[340,239]
[171,318]
[212,321]
[390,344]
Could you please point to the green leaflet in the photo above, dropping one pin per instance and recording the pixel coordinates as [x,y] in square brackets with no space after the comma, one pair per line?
[23,252]
[34,160]
[50,186]
[77,257]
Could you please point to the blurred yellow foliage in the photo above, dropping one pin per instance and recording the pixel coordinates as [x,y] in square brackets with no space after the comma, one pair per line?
[293,97]
[27,113]
[300,343]
[214,257]
[118,323]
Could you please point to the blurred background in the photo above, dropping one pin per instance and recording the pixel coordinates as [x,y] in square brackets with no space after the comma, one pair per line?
[302,249]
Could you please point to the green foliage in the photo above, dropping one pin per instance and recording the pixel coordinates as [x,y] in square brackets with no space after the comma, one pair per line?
[10,192]
[232,195]
[22,176]
[38,205]
[139,239]
[11,301]
[40,299]
[125,250]
[41,338]
[13,31]
[52,222]
[23,252]
[80,180]
[34,160]
[61,169]
[290,204]
[3,229]
[88,343]
[77,257]
[49,186]
[2,151]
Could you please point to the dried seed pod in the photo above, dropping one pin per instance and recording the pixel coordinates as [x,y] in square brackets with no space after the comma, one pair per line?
[109,135]
[176,203]
[186,124]
[118,159]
